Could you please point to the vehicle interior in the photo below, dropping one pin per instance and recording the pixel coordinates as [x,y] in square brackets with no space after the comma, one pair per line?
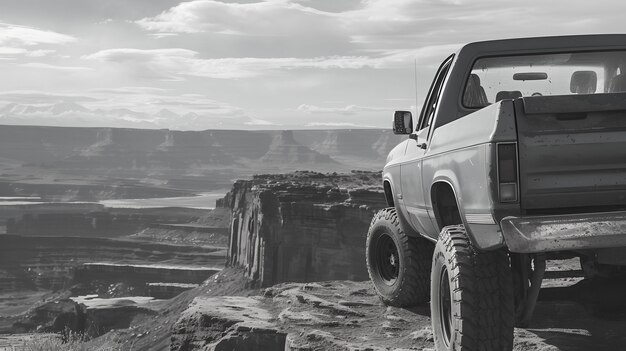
[509,77]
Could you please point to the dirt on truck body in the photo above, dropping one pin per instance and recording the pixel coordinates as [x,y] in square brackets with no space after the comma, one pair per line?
[517,157]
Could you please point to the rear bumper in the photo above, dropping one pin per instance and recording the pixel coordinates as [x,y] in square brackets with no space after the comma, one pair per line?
[564,232]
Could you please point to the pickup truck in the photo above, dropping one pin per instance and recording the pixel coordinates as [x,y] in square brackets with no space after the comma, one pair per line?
[518,156]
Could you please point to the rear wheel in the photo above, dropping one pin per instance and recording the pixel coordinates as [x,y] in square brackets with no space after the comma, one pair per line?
[472,295]
[398,265]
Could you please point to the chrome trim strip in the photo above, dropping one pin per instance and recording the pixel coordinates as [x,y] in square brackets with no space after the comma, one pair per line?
[479,218]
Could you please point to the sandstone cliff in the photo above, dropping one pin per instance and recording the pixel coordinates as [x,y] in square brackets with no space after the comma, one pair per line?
[303,226]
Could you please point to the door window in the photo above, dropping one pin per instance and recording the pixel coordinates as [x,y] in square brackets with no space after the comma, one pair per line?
[430,104]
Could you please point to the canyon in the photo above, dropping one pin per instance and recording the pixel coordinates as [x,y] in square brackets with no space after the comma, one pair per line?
[294,279]
[117,222]
[115,235]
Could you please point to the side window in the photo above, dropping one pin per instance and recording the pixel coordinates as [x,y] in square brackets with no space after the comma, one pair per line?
[430,104]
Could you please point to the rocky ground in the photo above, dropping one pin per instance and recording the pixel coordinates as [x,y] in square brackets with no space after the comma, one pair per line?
[225,314]
[345,315]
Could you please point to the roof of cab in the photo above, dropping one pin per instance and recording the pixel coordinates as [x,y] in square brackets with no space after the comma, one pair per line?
[544,44]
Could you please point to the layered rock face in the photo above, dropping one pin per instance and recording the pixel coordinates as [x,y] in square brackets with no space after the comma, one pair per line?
[302,226]
[87,219]
[50,263]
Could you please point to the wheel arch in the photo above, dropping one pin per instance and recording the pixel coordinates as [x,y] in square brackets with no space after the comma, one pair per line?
[445,200]
[390,194]
[482,236]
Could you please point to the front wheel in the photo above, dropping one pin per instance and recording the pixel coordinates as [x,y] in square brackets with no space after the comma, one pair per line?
[398,265]
[471,295]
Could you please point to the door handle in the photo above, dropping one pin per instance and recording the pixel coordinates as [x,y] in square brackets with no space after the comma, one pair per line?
[399,196]
[414,137]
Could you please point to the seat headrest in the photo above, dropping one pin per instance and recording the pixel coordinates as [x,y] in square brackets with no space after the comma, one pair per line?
[513,94]
[474,95]
[618,84]
[583,82]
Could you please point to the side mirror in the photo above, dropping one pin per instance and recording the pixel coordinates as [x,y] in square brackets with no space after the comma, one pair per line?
[402,122]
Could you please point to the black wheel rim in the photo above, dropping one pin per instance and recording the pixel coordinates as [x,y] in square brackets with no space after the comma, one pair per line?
[387,258]
[445,306]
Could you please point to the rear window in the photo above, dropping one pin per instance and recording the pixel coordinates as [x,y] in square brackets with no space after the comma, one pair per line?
[508,77]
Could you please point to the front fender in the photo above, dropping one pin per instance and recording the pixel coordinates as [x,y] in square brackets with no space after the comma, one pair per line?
[389,174]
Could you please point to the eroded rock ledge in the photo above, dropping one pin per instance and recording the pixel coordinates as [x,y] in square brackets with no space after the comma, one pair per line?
[301,316]
[302,226]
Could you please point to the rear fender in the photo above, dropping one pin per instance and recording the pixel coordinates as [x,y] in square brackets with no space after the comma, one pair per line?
[482,236]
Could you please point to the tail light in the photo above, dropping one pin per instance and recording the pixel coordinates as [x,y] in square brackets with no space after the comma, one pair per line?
[507,172]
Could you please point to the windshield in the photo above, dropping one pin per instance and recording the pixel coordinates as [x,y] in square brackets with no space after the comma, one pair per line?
[508,77]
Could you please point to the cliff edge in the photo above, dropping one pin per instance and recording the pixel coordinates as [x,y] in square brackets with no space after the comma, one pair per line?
[302,226]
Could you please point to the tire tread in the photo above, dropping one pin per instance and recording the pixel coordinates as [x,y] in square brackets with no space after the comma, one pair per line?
[481,281]
[414,289]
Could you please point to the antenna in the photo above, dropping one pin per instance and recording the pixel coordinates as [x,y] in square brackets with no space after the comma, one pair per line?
[416,111]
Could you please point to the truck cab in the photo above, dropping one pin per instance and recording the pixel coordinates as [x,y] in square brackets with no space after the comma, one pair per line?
[517,156]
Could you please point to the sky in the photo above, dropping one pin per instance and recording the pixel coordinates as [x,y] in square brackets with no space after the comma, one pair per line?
[274,64]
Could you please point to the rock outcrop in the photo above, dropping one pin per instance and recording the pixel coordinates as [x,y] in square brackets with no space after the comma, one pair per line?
[301,316]
[303,226]
[53,317]
[344,315]
[67,316]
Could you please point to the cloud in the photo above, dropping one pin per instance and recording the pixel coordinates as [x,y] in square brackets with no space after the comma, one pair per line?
[38,97]
[347,110]
[182,112]
[40,53]
[140,99]
[4,50]
[15,35]
[337,125]
[23,41]
[268,56]
[259,122]
[152,100]
[54,67]
[386,24]
[7,50]
[265,18]
[174,63]
[128,90]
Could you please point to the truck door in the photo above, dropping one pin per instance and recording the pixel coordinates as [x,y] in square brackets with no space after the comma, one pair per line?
[411,170]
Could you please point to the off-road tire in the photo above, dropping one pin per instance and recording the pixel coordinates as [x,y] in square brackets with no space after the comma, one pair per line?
[411,284]
[480,312]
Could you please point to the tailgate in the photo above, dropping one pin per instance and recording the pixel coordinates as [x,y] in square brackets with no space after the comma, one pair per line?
[572,152]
